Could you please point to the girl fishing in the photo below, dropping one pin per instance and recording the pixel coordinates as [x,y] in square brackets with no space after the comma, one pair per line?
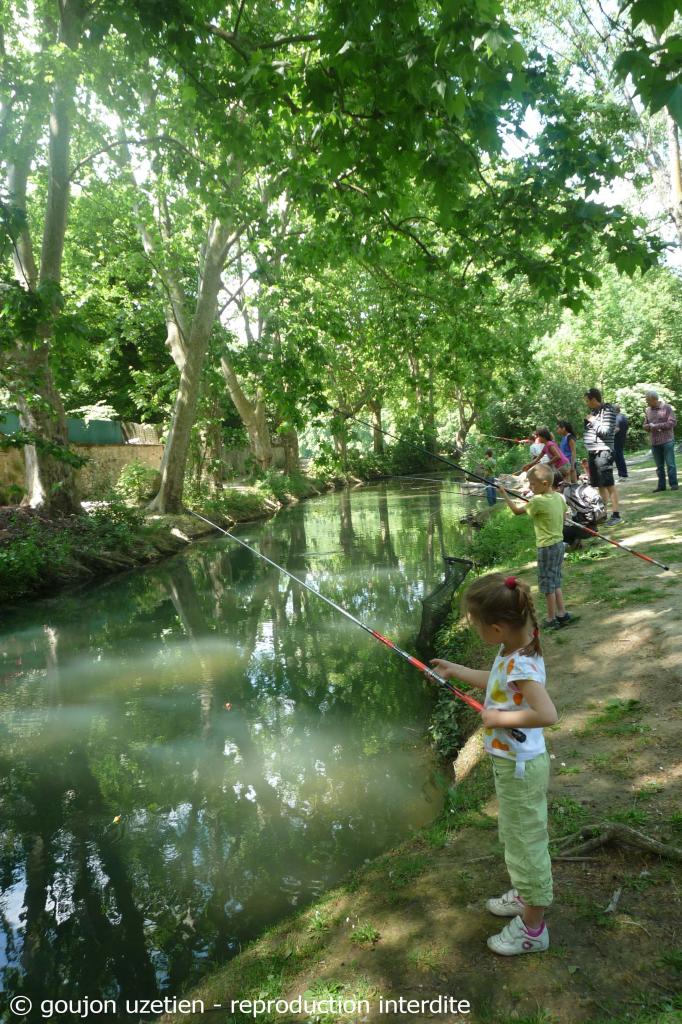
[568,447]
[502,613]
[551,451]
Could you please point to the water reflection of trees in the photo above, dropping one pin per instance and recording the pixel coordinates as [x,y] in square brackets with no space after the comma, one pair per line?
[116,705]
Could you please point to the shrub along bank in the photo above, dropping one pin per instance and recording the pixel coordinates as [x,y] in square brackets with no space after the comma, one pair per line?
[40,555]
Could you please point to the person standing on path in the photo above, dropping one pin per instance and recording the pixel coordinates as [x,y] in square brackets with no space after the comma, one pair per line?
[546,509]
[502,612]
[659,423]
[600,427]
[489,473]
[622,424]
[568,447]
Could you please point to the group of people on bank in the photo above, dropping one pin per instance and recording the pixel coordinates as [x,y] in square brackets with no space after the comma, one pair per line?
[604,435]
[561,501]
[606,429]
[501,609]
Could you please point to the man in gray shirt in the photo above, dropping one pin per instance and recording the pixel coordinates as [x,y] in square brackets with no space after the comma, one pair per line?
[600,428]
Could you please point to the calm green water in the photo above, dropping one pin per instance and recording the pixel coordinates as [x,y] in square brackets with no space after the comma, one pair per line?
[255,744]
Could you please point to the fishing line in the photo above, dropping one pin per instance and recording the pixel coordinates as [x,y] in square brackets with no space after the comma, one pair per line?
[428,672]
[516,494]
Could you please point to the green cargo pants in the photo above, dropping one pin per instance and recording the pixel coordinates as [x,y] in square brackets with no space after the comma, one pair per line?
[522,825]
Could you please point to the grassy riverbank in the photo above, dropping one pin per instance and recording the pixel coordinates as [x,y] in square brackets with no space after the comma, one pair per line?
[41,555]
[413,923]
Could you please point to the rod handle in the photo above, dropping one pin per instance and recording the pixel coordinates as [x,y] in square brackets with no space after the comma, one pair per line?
[519,736]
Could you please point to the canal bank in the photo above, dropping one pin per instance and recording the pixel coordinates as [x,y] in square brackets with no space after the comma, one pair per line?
[412,922]
[42,554]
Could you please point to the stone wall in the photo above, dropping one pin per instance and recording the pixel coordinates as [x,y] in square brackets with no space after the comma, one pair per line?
[106,462]
[100,474]
[95,478]
[12,467]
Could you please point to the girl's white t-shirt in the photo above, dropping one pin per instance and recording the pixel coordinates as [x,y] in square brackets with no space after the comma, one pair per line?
[503,694]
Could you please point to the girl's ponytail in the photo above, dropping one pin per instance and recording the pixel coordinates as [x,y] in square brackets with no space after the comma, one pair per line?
[534,647]
[497,598]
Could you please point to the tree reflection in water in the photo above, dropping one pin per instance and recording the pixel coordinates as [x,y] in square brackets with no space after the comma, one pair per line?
[254,744]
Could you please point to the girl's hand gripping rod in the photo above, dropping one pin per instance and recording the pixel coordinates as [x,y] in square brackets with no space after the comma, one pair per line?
[428,672]
[519,736]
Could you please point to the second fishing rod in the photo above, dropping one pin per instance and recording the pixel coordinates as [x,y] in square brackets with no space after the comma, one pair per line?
[499,487]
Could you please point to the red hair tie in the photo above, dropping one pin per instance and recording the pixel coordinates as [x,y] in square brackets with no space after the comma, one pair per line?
[510,582]
[536,633]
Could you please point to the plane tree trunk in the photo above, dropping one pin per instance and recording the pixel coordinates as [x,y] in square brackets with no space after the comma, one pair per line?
[174,462]
[50,480]
[377,435]
[253,415]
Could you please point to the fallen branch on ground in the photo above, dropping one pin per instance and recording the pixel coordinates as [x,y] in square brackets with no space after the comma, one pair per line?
[594,836]
[573,859]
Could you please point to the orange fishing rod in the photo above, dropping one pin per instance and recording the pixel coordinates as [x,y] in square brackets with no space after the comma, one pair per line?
[515,440]
[599,536]
[428,672]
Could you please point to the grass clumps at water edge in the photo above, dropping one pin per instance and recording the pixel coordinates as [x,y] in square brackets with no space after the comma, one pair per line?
[451,721]
[463,807]
[235,504]
[288,487]
[504,539]
[243,502]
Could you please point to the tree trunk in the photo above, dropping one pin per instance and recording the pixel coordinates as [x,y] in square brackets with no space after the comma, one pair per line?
[215,448]
[169,284]
[292,461]
[466,419]
[429,416]
[169,498]
[341,445]
[675,173]
[50,482]
[252,416]
[377,435]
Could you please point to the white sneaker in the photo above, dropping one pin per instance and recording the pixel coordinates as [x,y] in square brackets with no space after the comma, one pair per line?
[508,905]
[514,939]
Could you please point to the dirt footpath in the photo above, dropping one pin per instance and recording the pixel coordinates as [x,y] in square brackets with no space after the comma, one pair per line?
[413,924]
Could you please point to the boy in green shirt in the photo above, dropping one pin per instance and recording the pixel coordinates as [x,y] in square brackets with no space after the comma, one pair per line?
[547,509]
